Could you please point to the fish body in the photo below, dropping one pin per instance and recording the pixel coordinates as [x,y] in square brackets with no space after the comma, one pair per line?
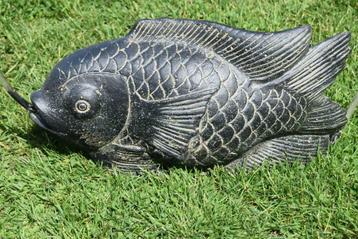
[196,94]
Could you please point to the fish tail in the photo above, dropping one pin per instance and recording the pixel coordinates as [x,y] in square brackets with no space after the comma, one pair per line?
[324,117]
[312,75]
[318,68]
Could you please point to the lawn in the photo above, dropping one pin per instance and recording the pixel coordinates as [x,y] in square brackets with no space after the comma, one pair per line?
[49,190]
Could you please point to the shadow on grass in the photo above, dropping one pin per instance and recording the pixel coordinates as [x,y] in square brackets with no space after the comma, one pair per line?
[36,137]
[39,138]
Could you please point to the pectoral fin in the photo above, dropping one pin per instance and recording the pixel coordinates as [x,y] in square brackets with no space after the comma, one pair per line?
[169,124]
[125,157]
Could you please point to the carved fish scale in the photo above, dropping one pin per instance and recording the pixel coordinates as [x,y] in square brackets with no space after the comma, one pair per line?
[158,70]
[230,128]
[165,70]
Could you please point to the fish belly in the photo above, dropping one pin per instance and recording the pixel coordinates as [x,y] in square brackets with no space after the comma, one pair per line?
[238,117]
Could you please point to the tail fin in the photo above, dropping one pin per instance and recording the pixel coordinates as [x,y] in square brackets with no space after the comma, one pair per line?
[325,117]
[312,75]
[319,67]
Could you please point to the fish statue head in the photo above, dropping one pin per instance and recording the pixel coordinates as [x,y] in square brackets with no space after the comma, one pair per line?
[88,109]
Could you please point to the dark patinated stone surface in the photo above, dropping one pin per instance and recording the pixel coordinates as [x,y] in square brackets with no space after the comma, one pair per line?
[196,94]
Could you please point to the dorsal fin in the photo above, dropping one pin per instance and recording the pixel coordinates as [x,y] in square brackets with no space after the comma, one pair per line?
[261,56]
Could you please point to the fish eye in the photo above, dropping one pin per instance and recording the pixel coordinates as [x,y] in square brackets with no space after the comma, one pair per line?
[82,100]
[82,106]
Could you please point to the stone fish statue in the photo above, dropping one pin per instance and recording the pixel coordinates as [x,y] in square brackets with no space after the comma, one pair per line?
[195,94]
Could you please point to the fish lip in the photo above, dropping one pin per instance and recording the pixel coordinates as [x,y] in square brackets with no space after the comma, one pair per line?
[39,111]
[38,121]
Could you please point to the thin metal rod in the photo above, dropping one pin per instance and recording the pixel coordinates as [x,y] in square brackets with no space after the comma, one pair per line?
[18,98]
[352,107]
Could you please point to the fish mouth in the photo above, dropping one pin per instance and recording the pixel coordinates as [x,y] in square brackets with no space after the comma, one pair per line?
[42,115]
[34,108]
[39,122]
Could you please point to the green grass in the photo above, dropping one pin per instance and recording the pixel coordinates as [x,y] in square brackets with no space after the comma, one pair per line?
[48,190]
